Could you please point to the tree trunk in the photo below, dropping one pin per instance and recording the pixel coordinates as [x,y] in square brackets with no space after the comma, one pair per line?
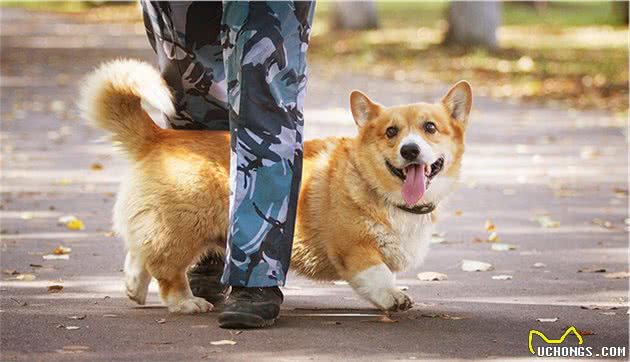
[473,23]
[354,15]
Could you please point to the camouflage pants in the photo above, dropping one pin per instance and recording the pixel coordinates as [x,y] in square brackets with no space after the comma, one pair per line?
[242,66]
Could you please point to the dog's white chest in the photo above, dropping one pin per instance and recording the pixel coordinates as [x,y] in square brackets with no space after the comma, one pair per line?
[406,243]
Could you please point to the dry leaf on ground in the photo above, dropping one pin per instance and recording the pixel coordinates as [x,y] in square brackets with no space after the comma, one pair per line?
[502,277]
[547,320]
[431,276]
[539,265]
[77,317]
[599,307]
[56,257]
[71,222]
[591,270]
[617,275]
[502,247]
[26,277]
[223,342]
[55,288]
[160,321]
[546,221]
[489,226]
[61,250]
[474,265]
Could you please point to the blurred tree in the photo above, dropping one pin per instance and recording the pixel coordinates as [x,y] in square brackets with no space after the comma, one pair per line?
[353,15]
[622,8]
[473,23]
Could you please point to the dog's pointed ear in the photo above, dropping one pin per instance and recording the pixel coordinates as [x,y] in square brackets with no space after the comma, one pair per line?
[458,101]
[363,109]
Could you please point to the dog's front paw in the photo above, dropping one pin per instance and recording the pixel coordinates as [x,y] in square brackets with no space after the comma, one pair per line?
[190,306]
[393,300]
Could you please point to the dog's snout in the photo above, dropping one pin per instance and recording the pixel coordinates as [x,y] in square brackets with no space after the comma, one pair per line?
[410,152]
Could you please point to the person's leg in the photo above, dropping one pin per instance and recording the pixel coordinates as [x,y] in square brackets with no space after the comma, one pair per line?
[186,39]
[264,47]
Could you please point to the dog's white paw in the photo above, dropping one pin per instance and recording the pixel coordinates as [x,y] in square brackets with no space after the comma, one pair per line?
[190,306]
[393,300]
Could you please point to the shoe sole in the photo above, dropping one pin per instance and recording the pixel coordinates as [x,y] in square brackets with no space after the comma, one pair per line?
[239,320]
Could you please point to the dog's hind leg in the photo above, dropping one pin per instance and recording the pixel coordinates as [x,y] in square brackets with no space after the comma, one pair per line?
[176,294]
[137,278]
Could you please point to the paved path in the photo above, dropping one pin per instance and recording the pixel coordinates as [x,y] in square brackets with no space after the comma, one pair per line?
[522,160]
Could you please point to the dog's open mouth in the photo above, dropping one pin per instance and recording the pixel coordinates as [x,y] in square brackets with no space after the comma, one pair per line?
[416,178]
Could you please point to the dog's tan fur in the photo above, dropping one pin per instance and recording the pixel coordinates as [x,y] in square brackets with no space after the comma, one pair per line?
[173,206]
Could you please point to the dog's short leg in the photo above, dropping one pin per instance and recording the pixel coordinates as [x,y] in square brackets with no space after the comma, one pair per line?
[377,284]
[371,278]
[176,294]
[137,278]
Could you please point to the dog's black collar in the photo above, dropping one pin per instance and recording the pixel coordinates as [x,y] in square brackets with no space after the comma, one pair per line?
[420,209]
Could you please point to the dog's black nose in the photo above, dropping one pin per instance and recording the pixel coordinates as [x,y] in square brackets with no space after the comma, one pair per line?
[410,152]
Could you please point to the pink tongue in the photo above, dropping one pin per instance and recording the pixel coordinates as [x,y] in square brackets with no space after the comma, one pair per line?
[414,185]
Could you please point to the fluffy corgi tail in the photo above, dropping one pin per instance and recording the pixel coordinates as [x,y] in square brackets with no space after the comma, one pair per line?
[111,99]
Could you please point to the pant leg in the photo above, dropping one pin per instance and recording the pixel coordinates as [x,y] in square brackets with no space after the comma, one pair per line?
[186,38]
[264,50]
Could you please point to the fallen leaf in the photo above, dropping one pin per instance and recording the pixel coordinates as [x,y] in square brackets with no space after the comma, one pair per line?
[502,247]
[431,276]
[502,277]
[223,342]
[96,166]
[26,277]
[473,266]
[458,212]
[10,272]
[71,222]
[56,257]
[608,313]
[77,317]
[69,328]
[55,288]
[617,275]
[621,193]
[603,223]
[539,265]
[546,221]
[588,152]
[489,226]
[493,237]
[591,270]
[110,315]
[586,333]
[160,321]
[73,349]
[442,316]
[547,320]
[26,215]
[61,250]
[35,265]
[332,322]
[438,238]
[598,307]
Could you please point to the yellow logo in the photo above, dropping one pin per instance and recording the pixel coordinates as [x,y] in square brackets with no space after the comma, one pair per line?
[569,330]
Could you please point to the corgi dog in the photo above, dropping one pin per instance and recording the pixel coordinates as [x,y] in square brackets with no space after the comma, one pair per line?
[366,206]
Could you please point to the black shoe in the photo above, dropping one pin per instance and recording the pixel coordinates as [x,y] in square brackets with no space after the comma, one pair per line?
[251,307]
[205,279]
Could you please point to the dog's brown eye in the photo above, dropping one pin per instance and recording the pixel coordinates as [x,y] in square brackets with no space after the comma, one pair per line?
[391,132]
[430,127]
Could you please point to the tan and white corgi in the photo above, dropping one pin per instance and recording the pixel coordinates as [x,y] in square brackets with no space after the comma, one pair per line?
[366,206]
